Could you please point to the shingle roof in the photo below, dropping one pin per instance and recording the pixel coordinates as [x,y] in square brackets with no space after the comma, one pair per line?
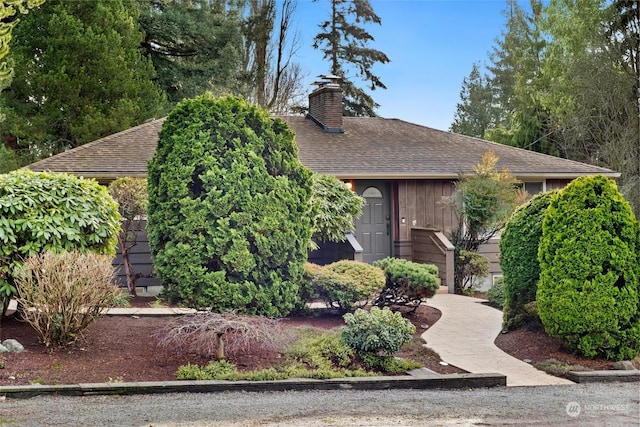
[392,148]
[122,154]
[369,148]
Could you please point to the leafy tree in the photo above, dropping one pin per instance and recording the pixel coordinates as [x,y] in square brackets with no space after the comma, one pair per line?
[344,42]
[519,243]
[83,76]
[131,196]
[275,81]
[47,211]
[483,202]
[590,270]
[336,207]
[229,213]
[593,61]
[474,113]
[8,11]
[195,45]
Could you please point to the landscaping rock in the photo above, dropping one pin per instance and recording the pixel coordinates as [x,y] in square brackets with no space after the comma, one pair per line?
[12,346]
[624,365]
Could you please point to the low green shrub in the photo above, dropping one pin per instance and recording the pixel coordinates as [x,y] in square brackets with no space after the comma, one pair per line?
[347,284]
[495,294]
[321,351]
[61,294]
[379,331]
[407,283]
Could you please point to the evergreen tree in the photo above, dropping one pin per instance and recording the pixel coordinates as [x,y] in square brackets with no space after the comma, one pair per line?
[195,45]
[475,112]
[8,11]
[518,83]
[82,76]
[344,42]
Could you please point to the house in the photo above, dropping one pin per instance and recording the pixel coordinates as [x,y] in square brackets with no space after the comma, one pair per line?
[402,169]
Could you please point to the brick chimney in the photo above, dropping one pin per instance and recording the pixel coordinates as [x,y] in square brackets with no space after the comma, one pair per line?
[325,104]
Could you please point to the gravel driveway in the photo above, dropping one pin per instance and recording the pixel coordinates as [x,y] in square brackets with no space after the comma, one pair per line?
[615,404]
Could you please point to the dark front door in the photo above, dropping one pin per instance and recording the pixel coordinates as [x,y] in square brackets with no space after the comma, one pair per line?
[373,228]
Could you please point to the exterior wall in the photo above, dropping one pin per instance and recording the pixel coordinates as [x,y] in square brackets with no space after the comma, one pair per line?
[430,246]
[491,250]
[555,184]
[417,204]
[140,257]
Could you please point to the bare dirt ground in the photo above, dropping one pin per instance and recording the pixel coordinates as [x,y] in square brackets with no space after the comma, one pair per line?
[124,349]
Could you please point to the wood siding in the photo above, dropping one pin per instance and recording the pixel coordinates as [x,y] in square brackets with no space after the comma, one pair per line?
[418,204]
[140,257]
[430,246]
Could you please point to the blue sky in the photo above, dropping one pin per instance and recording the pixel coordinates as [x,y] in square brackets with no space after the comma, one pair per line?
[432,45]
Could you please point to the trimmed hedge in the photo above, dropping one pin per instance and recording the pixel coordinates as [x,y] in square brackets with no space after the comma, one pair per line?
[229,215]
[44,211]
[519,260]
[590,270]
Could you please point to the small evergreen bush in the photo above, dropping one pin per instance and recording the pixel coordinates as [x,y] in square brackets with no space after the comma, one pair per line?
[495,294]
[379,331]
[590,270]
[519,259]
[347,284]
[335,289]
[406,282]
[51,212]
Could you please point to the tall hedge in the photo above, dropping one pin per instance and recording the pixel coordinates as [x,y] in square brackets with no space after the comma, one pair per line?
[229,216]
[590,270]
[519,260]
[51,212]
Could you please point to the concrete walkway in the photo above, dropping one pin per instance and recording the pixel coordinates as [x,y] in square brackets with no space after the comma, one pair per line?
[464,337]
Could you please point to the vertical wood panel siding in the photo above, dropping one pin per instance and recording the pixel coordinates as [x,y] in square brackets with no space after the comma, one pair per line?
[140,256]
[431,247]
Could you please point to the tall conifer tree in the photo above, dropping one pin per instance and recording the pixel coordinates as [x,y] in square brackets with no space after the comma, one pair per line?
[81,75]
[344,41]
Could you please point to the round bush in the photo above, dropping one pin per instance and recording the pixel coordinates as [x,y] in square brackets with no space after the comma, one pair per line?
[519,243]
[347,284]
[377,331]
[229,212]
[590,270]
[52,212]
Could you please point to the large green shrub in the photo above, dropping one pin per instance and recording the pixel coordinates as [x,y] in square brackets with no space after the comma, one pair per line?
[519,243]
[590,270]
[347,284]
[229,211]
[51,212]
[407,283]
